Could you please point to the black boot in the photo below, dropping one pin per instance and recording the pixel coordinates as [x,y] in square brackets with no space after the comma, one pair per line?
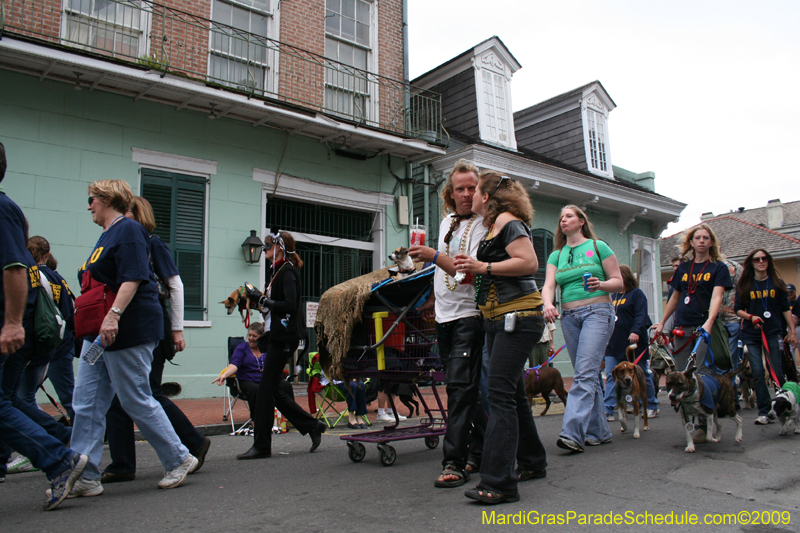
[254,453]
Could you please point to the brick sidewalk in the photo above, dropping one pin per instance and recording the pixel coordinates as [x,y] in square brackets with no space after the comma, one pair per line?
[208,411]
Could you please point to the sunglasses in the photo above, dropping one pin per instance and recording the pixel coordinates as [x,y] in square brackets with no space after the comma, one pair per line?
[502,179]
[91,199]
[569,259]
[760,259]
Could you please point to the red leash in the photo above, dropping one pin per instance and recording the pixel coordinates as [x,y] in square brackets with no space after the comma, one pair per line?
[636,362]
[769,363]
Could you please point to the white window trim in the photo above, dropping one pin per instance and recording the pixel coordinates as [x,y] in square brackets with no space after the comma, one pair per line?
[490,62]
[271,82]
[592,102]
[304,190]
[204,168]
[372,58]
[144,26]
[650,245]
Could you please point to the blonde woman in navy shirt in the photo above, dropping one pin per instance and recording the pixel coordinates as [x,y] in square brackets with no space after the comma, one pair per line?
[761,299]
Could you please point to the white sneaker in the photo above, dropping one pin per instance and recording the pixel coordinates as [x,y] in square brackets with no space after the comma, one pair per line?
[83,487]
[385,418]
[762,421]
[610,417]
[174,478]
[399,416]
[652,413]
[21,464]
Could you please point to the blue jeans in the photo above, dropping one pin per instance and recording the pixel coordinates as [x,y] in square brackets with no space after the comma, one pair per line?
[611,398]
[734,334]
[124,373]
[62,376]
[586,331]
[356,402]
[30,439]
[34,375]
[511,432]
[755,350]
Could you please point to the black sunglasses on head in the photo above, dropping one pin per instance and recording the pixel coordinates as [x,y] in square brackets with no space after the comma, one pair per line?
[508,181]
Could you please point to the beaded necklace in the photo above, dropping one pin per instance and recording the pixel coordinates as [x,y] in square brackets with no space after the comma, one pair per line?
[462,249]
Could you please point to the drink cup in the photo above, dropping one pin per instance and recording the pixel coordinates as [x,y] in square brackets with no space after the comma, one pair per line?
[418,232]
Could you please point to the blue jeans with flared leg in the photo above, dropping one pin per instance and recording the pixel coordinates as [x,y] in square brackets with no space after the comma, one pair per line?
[511,434]
[125,373]
[586,331]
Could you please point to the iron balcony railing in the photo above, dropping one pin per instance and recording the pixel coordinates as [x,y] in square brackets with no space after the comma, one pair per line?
[162,38]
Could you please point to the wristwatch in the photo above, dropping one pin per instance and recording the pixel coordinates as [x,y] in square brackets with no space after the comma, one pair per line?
[116,310]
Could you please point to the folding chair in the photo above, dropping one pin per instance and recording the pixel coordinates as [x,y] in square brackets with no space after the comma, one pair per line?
[233,394]
[326,396]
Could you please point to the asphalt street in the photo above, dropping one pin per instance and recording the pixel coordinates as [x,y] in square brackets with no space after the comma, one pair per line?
[326,491]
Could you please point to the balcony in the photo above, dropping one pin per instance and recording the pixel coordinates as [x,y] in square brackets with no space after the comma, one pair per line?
[158,39]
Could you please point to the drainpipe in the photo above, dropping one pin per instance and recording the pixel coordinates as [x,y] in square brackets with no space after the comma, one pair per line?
[405,65]
[426,196]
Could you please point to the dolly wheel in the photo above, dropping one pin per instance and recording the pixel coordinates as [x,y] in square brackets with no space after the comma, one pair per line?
[356,451]
[432,442]
[387,455]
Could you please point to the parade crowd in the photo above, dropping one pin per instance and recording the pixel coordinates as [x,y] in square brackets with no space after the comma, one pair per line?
[491,319]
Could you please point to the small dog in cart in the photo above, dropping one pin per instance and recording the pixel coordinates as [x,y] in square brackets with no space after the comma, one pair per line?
[784,407]
[707,394]
[631,388]
[405,266]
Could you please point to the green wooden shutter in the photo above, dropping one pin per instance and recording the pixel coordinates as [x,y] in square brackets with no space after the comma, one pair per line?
[543,246]
[179,204]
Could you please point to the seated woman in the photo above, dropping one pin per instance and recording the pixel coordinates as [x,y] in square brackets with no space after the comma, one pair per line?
[247,363]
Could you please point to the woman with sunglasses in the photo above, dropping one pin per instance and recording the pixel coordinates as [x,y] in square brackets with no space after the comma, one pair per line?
[284,323]
[512,308]
[762,298]
[587,271]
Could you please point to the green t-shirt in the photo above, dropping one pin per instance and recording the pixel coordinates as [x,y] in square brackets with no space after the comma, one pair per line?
[573,262]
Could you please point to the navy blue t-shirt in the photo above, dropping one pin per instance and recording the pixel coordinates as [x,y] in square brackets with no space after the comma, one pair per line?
[708,276]
[163,264]
[763,297]
[631,317]
[121,255]
[13,229]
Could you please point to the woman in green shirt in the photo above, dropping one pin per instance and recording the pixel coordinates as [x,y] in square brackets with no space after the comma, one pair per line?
[587,272]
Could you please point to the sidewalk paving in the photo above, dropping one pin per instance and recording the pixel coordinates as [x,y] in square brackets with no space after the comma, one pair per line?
[206,413]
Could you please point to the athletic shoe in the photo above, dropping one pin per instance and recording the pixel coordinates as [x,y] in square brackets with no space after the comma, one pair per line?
[399,416]
[610,417]
[568,444]
[84,487]
[21,464]
[763,421]
[594,442]
[385,418]
[62,485]
[652,413]
[175,477]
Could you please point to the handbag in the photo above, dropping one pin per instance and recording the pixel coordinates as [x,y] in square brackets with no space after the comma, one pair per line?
[92,306]
[49,324]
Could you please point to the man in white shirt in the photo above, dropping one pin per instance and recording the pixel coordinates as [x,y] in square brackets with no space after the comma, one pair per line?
[458,324]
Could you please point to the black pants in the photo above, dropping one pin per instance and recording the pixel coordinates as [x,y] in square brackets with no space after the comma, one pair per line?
[272,394]
[250,391]
[461,348]
[119,425]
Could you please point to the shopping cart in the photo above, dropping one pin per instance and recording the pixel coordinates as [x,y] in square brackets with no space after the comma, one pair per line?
[397,344]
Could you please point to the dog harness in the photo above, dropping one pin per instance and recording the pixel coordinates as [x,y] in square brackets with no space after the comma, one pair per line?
[711,388]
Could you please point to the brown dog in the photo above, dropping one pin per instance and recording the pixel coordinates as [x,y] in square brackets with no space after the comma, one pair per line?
[747,387]
[631,388]
[687,396]
[543,381]
[238,299]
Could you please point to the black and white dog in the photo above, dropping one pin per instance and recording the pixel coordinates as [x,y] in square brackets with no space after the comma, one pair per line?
[784,407]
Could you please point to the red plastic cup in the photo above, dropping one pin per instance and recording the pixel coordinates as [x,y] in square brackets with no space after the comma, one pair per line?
[418,232]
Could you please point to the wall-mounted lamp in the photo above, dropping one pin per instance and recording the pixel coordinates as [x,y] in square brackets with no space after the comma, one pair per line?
[251,248]
[213,113]
[77,80]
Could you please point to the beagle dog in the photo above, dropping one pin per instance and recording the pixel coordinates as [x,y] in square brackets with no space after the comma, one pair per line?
[238,300]
[631,388]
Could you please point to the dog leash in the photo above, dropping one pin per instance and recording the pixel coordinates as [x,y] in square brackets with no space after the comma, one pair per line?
[536,368]
[636,361]
[247,308]
[52,400]
[769,363]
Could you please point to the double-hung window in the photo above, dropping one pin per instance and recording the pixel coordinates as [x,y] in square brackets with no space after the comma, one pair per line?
[179,207]
[239,49]
[348,26]
[106,27]
[495,107]
[597,140]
